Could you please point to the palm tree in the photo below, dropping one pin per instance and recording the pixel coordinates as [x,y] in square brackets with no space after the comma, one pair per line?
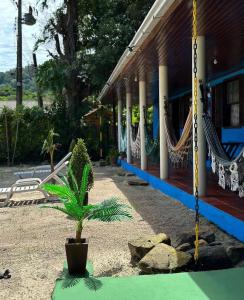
[49,146]
[72,198]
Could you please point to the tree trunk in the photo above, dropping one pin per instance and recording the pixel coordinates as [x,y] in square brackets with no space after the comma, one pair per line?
[78,232]
[16,140]
[7,139]
[51,161]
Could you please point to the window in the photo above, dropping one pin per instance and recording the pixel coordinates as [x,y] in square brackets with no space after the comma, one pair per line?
[233,103]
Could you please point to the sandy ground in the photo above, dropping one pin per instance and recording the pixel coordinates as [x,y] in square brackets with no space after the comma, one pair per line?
[32,239]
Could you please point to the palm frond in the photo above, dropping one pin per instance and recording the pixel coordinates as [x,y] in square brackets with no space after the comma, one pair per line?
[62,209]
[61,191]
[74,185]
[84,183]
[109,210]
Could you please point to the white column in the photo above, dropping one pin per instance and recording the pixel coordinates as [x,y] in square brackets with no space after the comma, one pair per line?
[142,105]
[128,122]
[201,63]
[119,118]
[163,96]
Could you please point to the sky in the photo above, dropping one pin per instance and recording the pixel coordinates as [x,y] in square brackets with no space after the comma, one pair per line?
[8,14]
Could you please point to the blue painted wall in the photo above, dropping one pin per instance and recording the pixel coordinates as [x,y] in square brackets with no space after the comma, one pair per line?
[232,135]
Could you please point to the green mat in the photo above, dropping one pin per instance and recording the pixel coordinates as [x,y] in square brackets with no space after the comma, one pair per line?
[214,285]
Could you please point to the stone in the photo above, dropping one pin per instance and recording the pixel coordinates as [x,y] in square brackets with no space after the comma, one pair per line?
[183,238]
[202,243]
[189,237]
[235,253]
[216,243]
[137,182]
[141,246]
[129,174]
[121,173]
[184,247]
[103,163]
[208,236]
[164,259]
[212,257]
[240,264]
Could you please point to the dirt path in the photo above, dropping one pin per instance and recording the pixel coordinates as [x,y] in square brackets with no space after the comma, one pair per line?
[32,239]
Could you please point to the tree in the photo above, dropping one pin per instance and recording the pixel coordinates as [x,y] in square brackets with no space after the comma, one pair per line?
[89,38]
[49,146]
[64,25]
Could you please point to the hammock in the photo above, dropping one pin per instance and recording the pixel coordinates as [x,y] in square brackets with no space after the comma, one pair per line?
[135,144]
[152,146]
[180,152]
[123,139]
[230,172]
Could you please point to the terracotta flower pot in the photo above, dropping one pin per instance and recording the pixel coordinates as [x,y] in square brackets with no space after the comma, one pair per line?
[76,253]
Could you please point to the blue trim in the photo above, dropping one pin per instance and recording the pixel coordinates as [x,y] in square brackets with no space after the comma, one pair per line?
[179,94]
[225,221]
[232,135]
[225,76]
[219,78]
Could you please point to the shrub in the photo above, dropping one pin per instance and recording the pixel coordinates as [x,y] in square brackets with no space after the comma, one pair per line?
[78,161]
[26,130]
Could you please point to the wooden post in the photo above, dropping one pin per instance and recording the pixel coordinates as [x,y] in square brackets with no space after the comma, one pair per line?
[163,96]
[128,121]
[19,87]
[119,117]
[39,97]
[142,105]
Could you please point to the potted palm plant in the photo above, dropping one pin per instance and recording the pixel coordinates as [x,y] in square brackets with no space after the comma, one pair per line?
[72,199]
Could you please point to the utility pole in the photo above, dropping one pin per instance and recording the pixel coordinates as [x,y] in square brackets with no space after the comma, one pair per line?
[19,87]
[39,96]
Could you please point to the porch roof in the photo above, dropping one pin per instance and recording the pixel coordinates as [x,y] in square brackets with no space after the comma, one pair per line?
[165,37]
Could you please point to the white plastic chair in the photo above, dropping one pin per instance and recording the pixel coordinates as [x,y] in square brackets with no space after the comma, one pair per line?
[43,169]
[32,184]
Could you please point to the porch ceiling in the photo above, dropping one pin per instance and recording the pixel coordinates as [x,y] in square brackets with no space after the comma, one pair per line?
[221,21]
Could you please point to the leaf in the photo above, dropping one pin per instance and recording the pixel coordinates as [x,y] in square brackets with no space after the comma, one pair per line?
[109,210]
[74,184]
[64,210]
[61,191]
[84,183]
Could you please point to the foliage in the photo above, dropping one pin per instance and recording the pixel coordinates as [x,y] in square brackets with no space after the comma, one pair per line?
[106,28]
[8,78]
[90,36]
[8,85]
[49,146]
[113,153]
[33,125]
[72,196]
[136,114]
[52,75]
[79,159]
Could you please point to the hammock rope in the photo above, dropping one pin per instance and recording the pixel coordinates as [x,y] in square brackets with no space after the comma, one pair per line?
[180,152]
[152,146]
[135,144]
[230,172]
[123,139]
